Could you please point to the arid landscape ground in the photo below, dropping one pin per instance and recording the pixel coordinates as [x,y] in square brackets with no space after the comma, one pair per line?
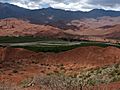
[57,52]
[19,64]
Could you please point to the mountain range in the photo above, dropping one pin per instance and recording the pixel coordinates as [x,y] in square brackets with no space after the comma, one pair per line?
[97,24]
[55,17]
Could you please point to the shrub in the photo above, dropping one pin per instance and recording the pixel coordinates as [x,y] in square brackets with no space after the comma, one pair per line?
[15,71]
[61,82]
[4,85]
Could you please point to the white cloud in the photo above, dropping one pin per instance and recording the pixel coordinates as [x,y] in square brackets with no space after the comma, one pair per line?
[72,6]
[84,5]
[30,5]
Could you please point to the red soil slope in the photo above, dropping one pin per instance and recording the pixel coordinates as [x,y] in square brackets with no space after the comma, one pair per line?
[92,55]
[88,56]
[15,27]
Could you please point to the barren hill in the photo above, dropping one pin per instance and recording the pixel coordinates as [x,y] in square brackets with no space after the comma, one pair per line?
[92,55]
[17,27]
[95,27]
[88,56]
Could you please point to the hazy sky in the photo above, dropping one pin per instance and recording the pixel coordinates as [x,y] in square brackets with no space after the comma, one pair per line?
[83,5]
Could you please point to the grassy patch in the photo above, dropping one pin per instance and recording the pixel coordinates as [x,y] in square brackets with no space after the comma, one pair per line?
[48,48]
[22,39]
[61,48]
[44,44]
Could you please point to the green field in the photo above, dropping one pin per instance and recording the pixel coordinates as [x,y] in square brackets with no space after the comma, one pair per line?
[39,44]
[22,39]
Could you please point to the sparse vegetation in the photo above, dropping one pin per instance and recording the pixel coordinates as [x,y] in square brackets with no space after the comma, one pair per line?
[54,82]
[27,82]
[92,77]
[4,85]
[103,75]
[22,39]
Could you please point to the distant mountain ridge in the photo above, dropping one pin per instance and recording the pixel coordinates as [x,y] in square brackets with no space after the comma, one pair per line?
[51,16]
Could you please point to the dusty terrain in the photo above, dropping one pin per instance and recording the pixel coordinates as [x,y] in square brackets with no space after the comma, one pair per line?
[16,27]
[18,64]
[91,56]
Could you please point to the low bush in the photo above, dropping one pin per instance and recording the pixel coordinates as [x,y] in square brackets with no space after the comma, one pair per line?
[4,85]
[92,77]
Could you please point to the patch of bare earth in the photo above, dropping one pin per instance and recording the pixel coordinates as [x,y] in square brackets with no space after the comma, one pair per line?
[17,64]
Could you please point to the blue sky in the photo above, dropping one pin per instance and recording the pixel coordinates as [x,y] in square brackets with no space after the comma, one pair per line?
[74,5]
